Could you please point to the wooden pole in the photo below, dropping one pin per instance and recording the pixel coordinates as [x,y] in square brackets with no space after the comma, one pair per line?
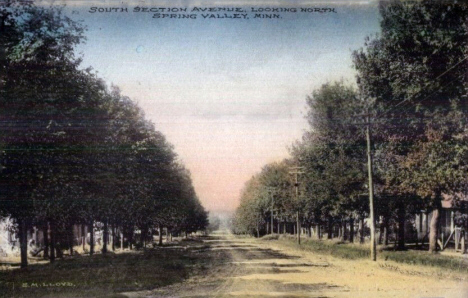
[296,171]
[371,192]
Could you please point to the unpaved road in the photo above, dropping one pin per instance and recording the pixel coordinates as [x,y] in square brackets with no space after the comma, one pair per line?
[253,268]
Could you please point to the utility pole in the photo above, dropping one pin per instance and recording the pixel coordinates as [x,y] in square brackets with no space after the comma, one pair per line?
[371,191]
[296,171]
[373,247]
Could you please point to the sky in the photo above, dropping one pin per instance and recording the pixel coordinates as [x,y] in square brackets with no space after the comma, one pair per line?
[229,94]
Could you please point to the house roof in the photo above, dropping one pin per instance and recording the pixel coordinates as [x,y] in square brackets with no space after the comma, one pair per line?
[448,201]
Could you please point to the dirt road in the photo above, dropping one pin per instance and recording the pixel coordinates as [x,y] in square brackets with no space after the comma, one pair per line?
[253,268]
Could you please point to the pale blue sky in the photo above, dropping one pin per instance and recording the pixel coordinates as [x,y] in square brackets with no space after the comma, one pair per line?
[229,94]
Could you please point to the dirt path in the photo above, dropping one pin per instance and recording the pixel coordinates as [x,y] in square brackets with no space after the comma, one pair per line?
[252,268]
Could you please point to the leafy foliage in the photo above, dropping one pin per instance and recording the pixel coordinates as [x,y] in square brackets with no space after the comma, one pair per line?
[74,151]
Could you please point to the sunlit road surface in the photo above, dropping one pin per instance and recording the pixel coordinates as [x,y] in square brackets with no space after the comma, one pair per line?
[253,268]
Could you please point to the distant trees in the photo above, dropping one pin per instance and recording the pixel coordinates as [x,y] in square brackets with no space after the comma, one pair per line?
[412,84]
[215,223]
[71,150]
[266,199]
[332,156]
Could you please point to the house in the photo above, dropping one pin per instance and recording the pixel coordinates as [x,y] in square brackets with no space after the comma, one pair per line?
[10,246]
[8,239]
[450,232]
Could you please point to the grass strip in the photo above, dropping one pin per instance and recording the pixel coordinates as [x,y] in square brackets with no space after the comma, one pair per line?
[352,251]
[105,275]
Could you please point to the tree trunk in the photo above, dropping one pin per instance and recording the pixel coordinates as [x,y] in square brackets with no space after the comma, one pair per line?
[434,229]
[143,237]
[381,233]
[351,230]
[58,249]
[298,228]
[52,241]
[23,233]
[45,232]
[344,224]
[105,236]
[386,236]
[463,248]
[401,228]
[160,240]
[330,228]
[361,230]
[83,238]
[386,225]
[91,237]
[113,237]
[70,239]
[130,239]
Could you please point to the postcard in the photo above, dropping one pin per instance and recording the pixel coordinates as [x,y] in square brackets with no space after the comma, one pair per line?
[233,148]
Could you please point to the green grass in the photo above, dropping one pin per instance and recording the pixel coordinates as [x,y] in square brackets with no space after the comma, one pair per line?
[356,251]
[425,258]
[105,275]
[271,237]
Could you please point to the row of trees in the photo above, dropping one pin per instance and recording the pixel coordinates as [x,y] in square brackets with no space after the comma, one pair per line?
[411,88]
[72,150]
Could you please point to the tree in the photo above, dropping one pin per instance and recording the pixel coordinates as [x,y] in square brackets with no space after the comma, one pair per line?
[332,154]
[30,102]
[74,151]
[412,72]
[249,215]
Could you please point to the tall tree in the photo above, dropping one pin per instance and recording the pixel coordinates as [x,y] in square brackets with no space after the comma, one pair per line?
[413,71]
[36,59]
[332,154]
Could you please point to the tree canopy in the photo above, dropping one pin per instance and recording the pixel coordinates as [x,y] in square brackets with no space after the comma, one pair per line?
[73,150]
[411,85]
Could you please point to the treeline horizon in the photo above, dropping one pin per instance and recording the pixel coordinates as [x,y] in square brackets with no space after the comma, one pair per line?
[411,91]
[75,151]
